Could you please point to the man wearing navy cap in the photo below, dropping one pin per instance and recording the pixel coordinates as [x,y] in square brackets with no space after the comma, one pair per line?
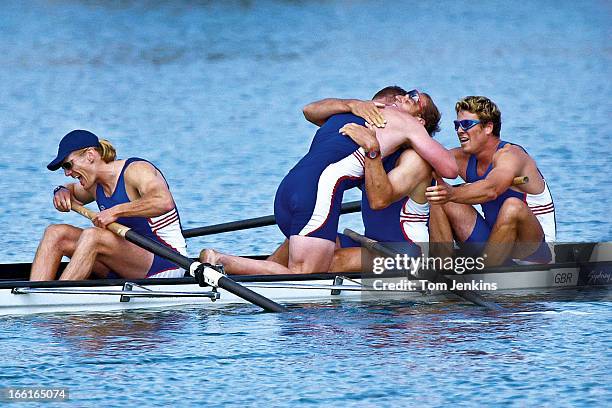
[132,192]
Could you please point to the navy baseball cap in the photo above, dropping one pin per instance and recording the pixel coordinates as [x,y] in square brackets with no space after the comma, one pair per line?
[75,140]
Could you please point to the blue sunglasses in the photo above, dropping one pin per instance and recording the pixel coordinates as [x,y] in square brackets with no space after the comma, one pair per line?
[465,124]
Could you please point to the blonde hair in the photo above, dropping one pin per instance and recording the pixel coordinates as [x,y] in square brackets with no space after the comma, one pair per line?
[107,151]
[484,108]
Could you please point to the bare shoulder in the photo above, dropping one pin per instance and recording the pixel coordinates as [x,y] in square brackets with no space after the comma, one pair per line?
[140,171]
[459,155]
[510,152]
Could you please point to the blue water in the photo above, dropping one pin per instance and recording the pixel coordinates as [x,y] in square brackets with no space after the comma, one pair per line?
[212,93]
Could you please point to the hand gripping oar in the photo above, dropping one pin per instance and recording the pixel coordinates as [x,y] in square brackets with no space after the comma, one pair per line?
[468,295]
[211,276]
[350,207]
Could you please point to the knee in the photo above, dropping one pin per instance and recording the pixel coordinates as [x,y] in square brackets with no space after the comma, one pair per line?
[56,233]
[91,237]
[512,209]
[438,210]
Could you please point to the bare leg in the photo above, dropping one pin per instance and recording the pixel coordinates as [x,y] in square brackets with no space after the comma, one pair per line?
[447,221]
[515,224]
[306,255]
[309,254]
[57,241]
[281,255]
[346,260]
[99,245]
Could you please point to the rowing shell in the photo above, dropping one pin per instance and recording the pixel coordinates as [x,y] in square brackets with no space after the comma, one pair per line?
[578,266]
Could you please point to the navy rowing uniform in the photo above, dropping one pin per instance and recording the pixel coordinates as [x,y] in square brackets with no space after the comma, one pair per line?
[540,204]
[404,222]
[309,198]
[165,229]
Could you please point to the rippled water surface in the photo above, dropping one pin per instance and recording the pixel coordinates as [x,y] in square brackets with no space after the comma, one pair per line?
[212,93]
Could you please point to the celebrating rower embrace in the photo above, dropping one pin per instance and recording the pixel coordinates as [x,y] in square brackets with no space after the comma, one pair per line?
[132,192]
[308,200]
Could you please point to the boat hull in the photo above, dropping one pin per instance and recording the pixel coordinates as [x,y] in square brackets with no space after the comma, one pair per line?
[578,266]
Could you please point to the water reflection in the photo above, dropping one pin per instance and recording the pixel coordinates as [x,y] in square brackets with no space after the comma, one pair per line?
[100,334]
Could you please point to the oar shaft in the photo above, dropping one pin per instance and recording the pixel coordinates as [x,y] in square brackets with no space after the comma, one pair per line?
[186,263]
[350,207]
[517,181]
[465,294]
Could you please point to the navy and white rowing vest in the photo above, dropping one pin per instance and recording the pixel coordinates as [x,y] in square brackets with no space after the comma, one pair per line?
[540,204]
[165,229]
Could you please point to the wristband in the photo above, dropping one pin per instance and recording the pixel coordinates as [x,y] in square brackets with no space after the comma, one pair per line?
[58,188]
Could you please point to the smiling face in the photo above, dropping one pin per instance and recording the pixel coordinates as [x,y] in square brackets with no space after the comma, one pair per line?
[410,105]
[476,137]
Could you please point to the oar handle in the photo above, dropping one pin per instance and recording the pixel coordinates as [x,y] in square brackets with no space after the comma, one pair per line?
[517,181]
[115,227]
[210,275]
[468,295]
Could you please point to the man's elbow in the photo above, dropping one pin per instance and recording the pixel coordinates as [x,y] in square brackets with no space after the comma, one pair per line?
[166,204]
[491,195]
[492,192]
[379,203]
[449,170]
[309,112]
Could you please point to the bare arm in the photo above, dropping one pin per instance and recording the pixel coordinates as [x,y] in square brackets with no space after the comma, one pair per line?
[318,112]
[63,198]
[441,159]
[506,166]
[383,189]
[154,197]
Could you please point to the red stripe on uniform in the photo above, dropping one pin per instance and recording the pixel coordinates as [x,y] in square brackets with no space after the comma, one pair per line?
[551,204]
[544,212]
[359,157]
[161,220]
[170,221]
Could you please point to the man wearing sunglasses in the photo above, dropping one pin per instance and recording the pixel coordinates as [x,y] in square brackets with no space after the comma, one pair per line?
[517,221]
[394,207]
[132,192]
[307,203]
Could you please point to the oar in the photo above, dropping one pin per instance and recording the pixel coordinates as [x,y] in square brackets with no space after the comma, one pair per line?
[468,295]
[211,276]
[517,181]
[350,207]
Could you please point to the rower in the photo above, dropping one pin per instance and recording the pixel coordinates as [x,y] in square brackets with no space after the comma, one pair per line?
[393,206]
[132,192]
[522,214]
[308,200]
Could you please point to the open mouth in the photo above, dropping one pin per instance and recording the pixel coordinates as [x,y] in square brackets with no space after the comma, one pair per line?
[464,140]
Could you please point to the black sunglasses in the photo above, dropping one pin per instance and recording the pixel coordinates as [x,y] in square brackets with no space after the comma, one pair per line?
[67,165]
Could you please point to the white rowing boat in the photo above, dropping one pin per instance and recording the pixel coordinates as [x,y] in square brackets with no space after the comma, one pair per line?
[585,266]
